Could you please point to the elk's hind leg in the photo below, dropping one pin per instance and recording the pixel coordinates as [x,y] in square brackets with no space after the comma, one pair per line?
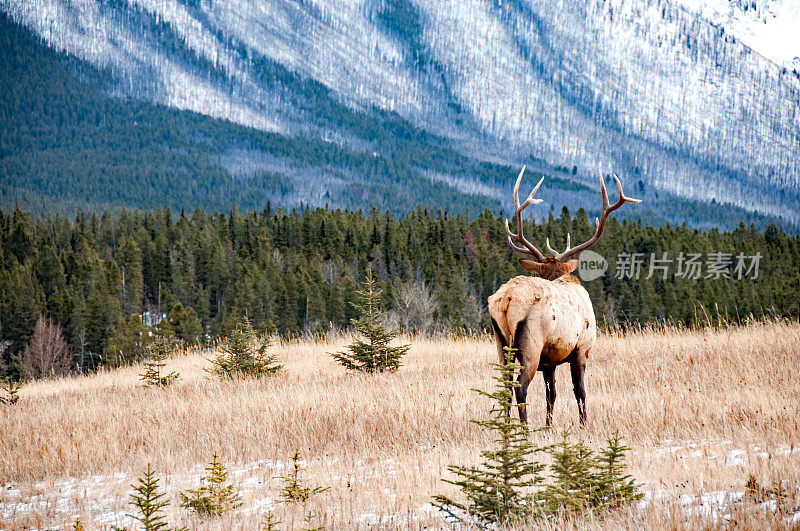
[577,367]
[523,380]
[550,392]
[528,351]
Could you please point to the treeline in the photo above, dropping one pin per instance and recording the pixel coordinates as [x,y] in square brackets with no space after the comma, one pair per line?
[298,272]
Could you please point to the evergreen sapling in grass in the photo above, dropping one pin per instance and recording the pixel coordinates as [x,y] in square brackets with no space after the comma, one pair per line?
[270,524]
[614,488]
[244,355]
[310,525]
[573,486]
[11,390]
[374,354]
[151,502]
[158,352]
[293,489]
[785,502]
[753,491]
[215,497]
[499,490]
[583,482]
[776,497]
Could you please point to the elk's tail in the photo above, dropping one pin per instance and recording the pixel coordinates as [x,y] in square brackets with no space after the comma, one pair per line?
[506,331]
[498,308]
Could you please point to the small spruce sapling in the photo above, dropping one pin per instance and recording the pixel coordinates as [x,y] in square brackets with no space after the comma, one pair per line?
[293,489]
[157,353]
[784,504]
[215,497]
[753,490]
[374,354]
[614,488]
[310,525]
[243,355]
[498,491]
[583,482]
[270,524]
[573,484]
[150,502]
[11,390]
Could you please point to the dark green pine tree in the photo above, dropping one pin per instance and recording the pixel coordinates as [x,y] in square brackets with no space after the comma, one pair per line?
[22,301]
[129,343]
[157,353]
[374,354]
[614,488]
[132,281]
[574,486]
[243,355]
[498,491]
[150,502]
[186,325]
[21,239]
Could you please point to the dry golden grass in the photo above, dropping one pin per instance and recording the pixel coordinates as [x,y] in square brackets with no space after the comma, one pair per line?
[700,409]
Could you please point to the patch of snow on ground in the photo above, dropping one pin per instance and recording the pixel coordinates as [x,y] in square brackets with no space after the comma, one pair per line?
[736,458]
[721,450]
[106,497]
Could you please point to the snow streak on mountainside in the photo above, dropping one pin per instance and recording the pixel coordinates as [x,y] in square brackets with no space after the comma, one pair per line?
[646,88]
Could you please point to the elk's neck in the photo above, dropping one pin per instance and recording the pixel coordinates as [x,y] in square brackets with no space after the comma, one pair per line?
[564,279]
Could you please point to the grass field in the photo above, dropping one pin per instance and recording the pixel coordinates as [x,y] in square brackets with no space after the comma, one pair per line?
[701,410]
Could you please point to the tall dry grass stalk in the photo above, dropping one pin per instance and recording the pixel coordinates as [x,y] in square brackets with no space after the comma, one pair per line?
[700,409]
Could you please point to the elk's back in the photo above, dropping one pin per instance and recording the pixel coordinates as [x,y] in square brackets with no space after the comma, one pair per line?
[558,314]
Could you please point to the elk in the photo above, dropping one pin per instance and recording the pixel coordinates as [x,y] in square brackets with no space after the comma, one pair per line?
[547,317]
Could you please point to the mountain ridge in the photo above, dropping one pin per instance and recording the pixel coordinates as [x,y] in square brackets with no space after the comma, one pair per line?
[470,110]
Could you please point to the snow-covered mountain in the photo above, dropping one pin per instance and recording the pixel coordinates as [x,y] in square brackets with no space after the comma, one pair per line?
[695,99]
[769,27]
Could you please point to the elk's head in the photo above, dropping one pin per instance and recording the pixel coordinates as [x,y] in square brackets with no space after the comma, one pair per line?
[562,263]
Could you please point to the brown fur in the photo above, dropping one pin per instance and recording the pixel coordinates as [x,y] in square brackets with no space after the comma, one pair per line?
[552,316]
[551,269]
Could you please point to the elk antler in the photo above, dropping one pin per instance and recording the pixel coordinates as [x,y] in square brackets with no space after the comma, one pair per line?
[530,249]
[600,223]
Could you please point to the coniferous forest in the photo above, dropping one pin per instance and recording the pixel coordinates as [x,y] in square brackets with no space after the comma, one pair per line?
[104,278]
